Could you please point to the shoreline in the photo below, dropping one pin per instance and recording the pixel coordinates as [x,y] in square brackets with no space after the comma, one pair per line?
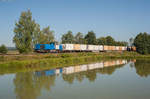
[35,62]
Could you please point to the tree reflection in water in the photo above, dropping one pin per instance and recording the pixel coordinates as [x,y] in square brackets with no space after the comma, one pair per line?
[28,85]
[142,67]
[90,74]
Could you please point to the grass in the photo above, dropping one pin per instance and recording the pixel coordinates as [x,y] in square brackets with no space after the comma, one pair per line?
[12,52]
[32,62]
[6,58]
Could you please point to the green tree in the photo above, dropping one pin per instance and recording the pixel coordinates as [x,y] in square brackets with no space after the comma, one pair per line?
[121,43]
[23,31]
[110,40]
[42,37]
[28,33]
[142,43]
[91,38]
[3,49]
[124,43]
[101,41]
[49,35]
[67,38]
[37,35]
[79,39]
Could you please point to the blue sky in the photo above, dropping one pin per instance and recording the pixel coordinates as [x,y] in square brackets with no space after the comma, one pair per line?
[121,19]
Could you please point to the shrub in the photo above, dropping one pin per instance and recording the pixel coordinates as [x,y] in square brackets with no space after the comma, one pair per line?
[142,43]
[3,49]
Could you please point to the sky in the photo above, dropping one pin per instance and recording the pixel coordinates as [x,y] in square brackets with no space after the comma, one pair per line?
[121,19]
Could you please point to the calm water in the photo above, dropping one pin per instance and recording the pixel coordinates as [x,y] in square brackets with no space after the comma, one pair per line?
[117,79]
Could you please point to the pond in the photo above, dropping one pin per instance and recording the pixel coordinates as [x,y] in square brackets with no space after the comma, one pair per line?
[113,79]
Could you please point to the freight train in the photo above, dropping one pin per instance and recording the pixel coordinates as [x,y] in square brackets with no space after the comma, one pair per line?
[80,68]
[52,47]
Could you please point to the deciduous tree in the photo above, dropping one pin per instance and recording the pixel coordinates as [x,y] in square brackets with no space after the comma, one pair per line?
[90,38]
[79,39]
[68,38]
[110,40]
[49,35]
[3,49]
[23,32]
[142,43]
[101,41]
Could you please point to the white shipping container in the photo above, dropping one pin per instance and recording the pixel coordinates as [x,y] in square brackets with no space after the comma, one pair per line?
[124,48]
[91,47]
[96,65]
[100,65]
[106,64]
[124,61]
[100,47]
[83,67]
[68,70]
[117,62]
[83,47]
[67,46]
[96,47]
[76,47]
[113,63]
[117,48]
[77,69]
[91,66]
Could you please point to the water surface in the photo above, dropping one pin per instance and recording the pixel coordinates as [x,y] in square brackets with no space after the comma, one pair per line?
[115,79]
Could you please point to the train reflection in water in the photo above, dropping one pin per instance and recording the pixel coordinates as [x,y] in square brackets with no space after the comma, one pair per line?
[81,68]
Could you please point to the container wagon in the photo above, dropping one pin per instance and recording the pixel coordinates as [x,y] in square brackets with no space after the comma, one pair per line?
[80,48]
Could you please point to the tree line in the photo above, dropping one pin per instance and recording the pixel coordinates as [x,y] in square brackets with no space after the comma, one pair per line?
[27,33]
[90,38]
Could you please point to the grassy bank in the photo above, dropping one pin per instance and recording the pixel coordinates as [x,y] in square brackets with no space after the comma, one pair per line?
[37,56]
[32,62]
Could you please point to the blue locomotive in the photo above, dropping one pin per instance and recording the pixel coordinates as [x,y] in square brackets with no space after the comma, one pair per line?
[52,47]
